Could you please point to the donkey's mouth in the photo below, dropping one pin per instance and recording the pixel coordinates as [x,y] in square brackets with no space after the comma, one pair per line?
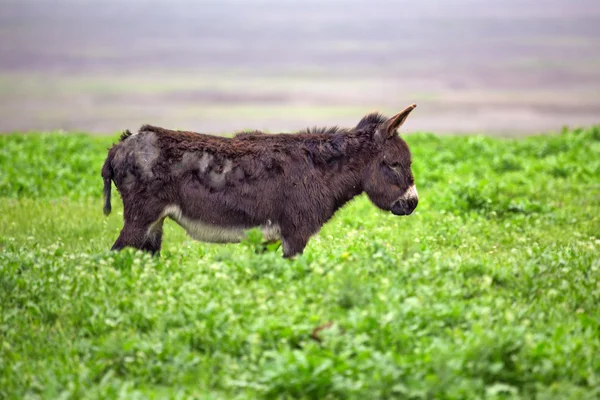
[404,207]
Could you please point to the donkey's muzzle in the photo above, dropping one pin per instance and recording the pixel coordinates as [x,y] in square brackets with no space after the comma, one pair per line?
[405,206]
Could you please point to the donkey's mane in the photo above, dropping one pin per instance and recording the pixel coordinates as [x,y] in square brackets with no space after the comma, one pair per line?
[126,133]
[323,130]
[369,119]
[248,134]
[375,118]
[315,130]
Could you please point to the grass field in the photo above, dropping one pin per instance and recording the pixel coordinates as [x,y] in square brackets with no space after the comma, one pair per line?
[490,290]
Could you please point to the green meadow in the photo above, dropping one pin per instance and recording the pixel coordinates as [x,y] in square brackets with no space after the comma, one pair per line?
[490,290]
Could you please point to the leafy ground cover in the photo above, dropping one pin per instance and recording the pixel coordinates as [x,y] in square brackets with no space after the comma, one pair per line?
[490,290]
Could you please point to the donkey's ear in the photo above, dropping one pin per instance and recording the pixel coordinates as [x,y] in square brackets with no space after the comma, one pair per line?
[390,126]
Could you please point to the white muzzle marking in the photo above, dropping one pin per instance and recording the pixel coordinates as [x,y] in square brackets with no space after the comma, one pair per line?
[411,193]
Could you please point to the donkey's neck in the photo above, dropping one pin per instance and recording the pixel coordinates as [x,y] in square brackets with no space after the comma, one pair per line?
[348,156]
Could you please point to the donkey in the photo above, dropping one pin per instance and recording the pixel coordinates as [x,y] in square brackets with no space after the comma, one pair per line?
[287,185]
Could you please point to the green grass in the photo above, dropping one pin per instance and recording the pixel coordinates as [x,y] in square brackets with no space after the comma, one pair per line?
[490,290]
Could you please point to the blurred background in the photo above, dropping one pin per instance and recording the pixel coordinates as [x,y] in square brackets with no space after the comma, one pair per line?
[506,68]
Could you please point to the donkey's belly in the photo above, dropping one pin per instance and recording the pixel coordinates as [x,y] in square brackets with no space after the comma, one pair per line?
[207,232]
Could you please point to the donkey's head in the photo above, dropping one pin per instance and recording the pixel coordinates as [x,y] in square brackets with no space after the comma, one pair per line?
[388,179]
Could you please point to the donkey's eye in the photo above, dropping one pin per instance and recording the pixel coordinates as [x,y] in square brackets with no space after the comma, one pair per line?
[394,165]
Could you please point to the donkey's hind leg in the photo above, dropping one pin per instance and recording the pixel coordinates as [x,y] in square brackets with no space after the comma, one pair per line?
[154,239]
[142,230]
[146,237]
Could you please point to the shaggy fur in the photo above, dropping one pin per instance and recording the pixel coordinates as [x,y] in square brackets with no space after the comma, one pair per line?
[290,183]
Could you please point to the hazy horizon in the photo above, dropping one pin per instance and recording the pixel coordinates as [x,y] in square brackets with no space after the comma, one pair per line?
[472,66]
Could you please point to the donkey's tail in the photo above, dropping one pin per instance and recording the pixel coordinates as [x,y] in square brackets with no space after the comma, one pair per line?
[107,175]
[108,172]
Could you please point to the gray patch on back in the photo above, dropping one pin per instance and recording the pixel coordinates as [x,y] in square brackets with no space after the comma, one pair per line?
[205,161]
[218,175]
[146,152]
[188,160]
[129,179]
[207,165]
[238,173]
[191,161]
[140,150]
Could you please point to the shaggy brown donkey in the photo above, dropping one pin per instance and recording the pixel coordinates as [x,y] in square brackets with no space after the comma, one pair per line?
[289,185]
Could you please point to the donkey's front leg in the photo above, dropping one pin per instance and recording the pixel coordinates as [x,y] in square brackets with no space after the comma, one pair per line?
[294,241]
[293,245]
[296,231]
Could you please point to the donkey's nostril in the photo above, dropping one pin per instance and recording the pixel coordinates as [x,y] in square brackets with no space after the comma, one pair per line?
[405,206]
[412,202]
